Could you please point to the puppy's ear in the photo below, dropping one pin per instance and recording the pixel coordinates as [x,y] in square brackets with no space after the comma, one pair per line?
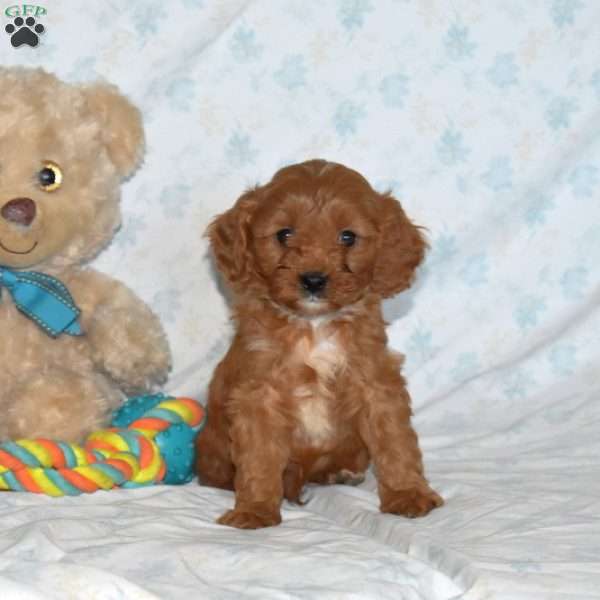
[401,248]
[120,126]
[230,239]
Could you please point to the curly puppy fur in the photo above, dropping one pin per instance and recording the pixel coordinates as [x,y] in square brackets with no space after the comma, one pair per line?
[309,391]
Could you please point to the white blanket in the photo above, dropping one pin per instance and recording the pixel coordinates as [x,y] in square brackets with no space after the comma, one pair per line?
[483,117]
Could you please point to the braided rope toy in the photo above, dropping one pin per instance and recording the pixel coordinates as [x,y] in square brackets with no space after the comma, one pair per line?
[151,441]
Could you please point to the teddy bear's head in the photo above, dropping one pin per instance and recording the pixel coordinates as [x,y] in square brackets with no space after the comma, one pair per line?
[64,150]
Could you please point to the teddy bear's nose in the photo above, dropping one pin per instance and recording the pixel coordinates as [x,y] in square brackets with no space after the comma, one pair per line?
[19,210]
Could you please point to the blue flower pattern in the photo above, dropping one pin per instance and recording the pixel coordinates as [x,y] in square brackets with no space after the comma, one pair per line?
[564,12]
[239,149]
[394,89]
[352,13]
[244,46]
[498,176]
[347,117]
[560,112]
[451,148]
[457,43]
[504,72]
[292,73]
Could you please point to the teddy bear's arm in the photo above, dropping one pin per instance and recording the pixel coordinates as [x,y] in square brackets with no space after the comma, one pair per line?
[126,338]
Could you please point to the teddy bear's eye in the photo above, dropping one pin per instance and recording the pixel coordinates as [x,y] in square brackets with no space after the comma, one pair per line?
[50,177]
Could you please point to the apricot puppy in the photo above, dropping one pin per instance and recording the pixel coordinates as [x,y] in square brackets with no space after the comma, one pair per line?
[309,391]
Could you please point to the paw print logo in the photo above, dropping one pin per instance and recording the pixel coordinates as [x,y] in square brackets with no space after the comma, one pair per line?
[24,31]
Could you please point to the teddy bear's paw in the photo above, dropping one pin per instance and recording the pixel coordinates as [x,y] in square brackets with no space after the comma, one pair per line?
[135,358]
[137,372]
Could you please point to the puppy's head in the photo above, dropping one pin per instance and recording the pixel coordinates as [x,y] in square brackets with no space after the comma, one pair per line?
[316,238]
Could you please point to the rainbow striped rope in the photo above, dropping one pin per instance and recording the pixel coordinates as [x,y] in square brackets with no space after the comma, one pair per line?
[157,445]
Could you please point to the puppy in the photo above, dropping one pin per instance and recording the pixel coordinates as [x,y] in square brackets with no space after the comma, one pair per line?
[309,391]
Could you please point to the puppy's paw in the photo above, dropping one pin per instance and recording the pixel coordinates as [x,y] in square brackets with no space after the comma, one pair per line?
[250,518]
[412,502]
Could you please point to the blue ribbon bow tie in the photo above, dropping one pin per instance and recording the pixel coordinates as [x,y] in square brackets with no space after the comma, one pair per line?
[44,299]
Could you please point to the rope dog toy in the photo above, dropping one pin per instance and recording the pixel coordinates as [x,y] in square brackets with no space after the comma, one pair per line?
[151,441]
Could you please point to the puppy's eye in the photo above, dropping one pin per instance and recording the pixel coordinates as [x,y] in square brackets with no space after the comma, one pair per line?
[50,177]
[283,235]
[347,237]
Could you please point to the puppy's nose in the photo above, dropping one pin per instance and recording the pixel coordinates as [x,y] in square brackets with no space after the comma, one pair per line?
[313,281]
[19,210]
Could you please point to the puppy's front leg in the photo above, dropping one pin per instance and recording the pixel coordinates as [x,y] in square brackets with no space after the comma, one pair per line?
[393,445]
[260,452]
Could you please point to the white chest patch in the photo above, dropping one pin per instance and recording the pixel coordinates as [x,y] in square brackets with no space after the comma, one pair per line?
[314,416]
[323,353]
[326,357]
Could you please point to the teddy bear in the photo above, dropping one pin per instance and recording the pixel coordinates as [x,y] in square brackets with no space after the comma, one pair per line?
[74,342]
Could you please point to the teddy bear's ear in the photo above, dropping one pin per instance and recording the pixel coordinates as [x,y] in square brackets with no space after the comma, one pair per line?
[121,126]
